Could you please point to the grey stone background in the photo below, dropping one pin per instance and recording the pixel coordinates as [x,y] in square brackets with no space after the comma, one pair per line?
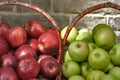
[63,11]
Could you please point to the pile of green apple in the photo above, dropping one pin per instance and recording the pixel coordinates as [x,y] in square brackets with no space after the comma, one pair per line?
[91,54]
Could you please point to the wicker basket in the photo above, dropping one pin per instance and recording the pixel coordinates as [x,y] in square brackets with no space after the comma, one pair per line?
[82,14]
[50,19]
[87,11]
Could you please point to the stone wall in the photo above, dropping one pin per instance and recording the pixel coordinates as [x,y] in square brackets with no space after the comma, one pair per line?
[63,11]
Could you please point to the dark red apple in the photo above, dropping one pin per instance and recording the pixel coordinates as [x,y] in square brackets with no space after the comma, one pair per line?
[12,51]
[25,50]
[4,27]
[43,78]
[33,43]
[34,28]
[28,68]
[16,36]
[48,43]
[41,57]
[8,73]
[34,79]
[4,47]
[50,30]
[49,67]
[8,60]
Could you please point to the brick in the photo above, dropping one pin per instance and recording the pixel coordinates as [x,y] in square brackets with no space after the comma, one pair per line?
[116,1]
[7,0]
[15,19]
[118,36]
[24,1]
[21,9]
[20,19]
[43,4]
[89,21]
[114,22]
[8,8]
[76,6]
[61,20]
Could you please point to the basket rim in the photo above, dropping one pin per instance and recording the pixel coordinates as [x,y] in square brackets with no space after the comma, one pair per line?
[85,12]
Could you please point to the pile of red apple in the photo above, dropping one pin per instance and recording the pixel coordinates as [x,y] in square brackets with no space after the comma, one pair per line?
[28,52]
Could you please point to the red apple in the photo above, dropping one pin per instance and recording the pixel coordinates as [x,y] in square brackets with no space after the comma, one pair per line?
[28,68]
[43,78]
[42,56]
[49,67]
[16,36]
[48,43]
[50,30]
[34,28]
[4,47]
[8,60]
[3,27]
[33,43]
[25,50]
[8,73]
[34,79]
[12,51]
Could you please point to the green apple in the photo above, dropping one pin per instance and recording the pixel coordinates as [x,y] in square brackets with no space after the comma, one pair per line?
[85,69]
[78,50]
[99,26]
[107,69]
[104,36]
[109,77]
[70,68]
[67,56]
[95,75]
[72,35]
[92,46]
[115,54]
[84,34]
[99,58]
[76,77]
[115,71]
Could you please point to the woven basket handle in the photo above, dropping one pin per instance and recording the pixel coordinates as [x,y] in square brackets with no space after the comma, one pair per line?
[89,10]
